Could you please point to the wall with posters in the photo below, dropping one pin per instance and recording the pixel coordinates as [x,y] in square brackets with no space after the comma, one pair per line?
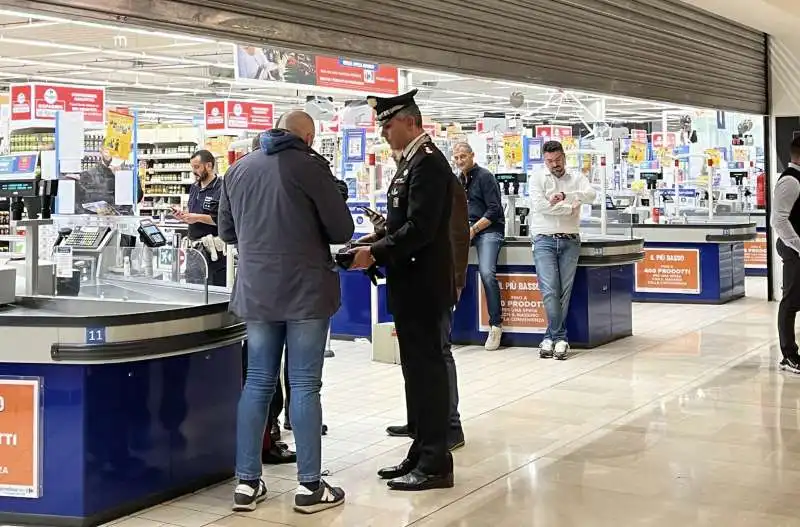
[279,65]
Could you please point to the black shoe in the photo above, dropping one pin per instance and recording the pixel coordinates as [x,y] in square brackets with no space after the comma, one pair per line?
[455,440]
[791,364]
[398,431]
[246,497]
[275,432]
[278,454]
[417,481]
[398,471]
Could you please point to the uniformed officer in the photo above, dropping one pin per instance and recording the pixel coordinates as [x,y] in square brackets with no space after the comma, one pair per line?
[204,196]
[416,251]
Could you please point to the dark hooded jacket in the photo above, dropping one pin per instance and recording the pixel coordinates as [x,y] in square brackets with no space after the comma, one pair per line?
[283,208]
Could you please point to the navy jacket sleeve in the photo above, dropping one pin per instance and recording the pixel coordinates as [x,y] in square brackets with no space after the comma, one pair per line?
[322,188]
[429,184]
[225,224]
[490,189]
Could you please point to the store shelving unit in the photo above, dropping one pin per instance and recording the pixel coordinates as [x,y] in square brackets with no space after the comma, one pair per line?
[168,175]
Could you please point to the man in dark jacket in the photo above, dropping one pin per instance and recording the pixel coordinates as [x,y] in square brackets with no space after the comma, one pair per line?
[421,288]
[460,241]
[283,210]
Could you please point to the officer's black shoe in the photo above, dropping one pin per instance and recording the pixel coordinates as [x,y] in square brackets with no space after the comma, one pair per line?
[278,454]
[417,480]
[398,431]
[455,439]
[275,432]
[398,471]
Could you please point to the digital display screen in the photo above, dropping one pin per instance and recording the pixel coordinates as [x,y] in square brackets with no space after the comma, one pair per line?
[17,186]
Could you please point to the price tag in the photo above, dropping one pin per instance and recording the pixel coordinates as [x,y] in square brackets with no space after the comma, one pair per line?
[95,335]
[726,232]
[598,251]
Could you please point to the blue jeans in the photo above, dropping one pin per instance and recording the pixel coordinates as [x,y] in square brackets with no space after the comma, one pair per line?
[305,348]
[556,261]
[488,246]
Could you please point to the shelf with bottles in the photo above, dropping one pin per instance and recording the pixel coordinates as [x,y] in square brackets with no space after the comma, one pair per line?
[42,139]
[166,150]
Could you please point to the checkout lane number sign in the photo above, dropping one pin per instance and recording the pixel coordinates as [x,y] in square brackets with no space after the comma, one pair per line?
[19,438]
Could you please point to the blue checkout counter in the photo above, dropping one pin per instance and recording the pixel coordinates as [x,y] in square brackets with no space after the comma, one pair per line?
[117,405]
[701,262]
[600,310]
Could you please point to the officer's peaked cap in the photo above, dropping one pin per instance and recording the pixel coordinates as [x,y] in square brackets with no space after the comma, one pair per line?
[387,107]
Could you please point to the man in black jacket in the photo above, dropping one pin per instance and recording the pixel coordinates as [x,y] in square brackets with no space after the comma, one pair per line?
[418,257]
[786,222]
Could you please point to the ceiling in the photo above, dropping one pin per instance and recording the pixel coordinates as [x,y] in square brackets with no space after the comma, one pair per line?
[166,77]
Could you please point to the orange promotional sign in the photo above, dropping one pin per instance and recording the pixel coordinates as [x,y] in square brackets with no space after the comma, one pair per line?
[521,300]
[664,270]
[19,438]
[755,252]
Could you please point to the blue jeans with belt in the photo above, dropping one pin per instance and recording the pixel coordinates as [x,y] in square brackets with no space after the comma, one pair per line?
[556,261]
[305,349]
[488,246]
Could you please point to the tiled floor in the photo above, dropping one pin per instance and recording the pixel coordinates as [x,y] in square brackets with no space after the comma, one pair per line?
[686,423]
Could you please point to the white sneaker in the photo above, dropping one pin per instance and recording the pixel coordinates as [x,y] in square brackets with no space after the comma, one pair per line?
[546,349]
[561,350]
[493,341]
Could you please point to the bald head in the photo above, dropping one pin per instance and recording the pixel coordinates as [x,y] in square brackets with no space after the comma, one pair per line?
[300,124]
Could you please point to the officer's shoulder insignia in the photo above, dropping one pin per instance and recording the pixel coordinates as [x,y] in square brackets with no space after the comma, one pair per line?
[428,149]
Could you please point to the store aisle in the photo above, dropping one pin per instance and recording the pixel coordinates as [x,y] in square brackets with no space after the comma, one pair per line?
[686,423]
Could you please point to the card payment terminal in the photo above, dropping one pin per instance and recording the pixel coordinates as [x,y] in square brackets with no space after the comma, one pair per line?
[151,235]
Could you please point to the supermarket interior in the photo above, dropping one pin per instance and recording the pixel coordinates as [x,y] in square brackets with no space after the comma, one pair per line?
[120,368]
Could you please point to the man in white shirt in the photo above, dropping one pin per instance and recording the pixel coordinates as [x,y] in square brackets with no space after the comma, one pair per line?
[786,223]
[556,199]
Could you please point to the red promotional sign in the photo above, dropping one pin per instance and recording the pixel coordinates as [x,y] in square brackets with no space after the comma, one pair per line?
[21,102]
[639,136]
[553,133]
[231,116]
[247,115]
[662,140]
[338,72]
[215,115]
[40,102]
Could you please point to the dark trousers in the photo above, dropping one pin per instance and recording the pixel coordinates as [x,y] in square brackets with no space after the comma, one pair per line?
[426,386]
[278,403]
[790,301]
[454,419]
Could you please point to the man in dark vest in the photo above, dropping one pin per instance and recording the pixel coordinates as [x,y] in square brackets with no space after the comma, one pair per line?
[786,223]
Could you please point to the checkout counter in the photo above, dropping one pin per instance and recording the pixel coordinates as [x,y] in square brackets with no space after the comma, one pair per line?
[693,260]
[109,356]
[600,310]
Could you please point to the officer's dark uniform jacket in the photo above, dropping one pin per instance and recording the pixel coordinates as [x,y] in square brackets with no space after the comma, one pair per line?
[416,248]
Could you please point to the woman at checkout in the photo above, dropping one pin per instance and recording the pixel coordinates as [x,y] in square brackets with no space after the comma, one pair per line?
[201,217]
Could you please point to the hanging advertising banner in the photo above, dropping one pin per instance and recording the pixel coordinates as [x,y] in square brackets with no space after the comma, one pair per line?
[662,140]
[20,440]
[230,117]
[36,104]
[638,136]
[278,65]
[521,300]
[663,270]
[512,150]
[755,252]
[637,153]
[119,135]
[553,133]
